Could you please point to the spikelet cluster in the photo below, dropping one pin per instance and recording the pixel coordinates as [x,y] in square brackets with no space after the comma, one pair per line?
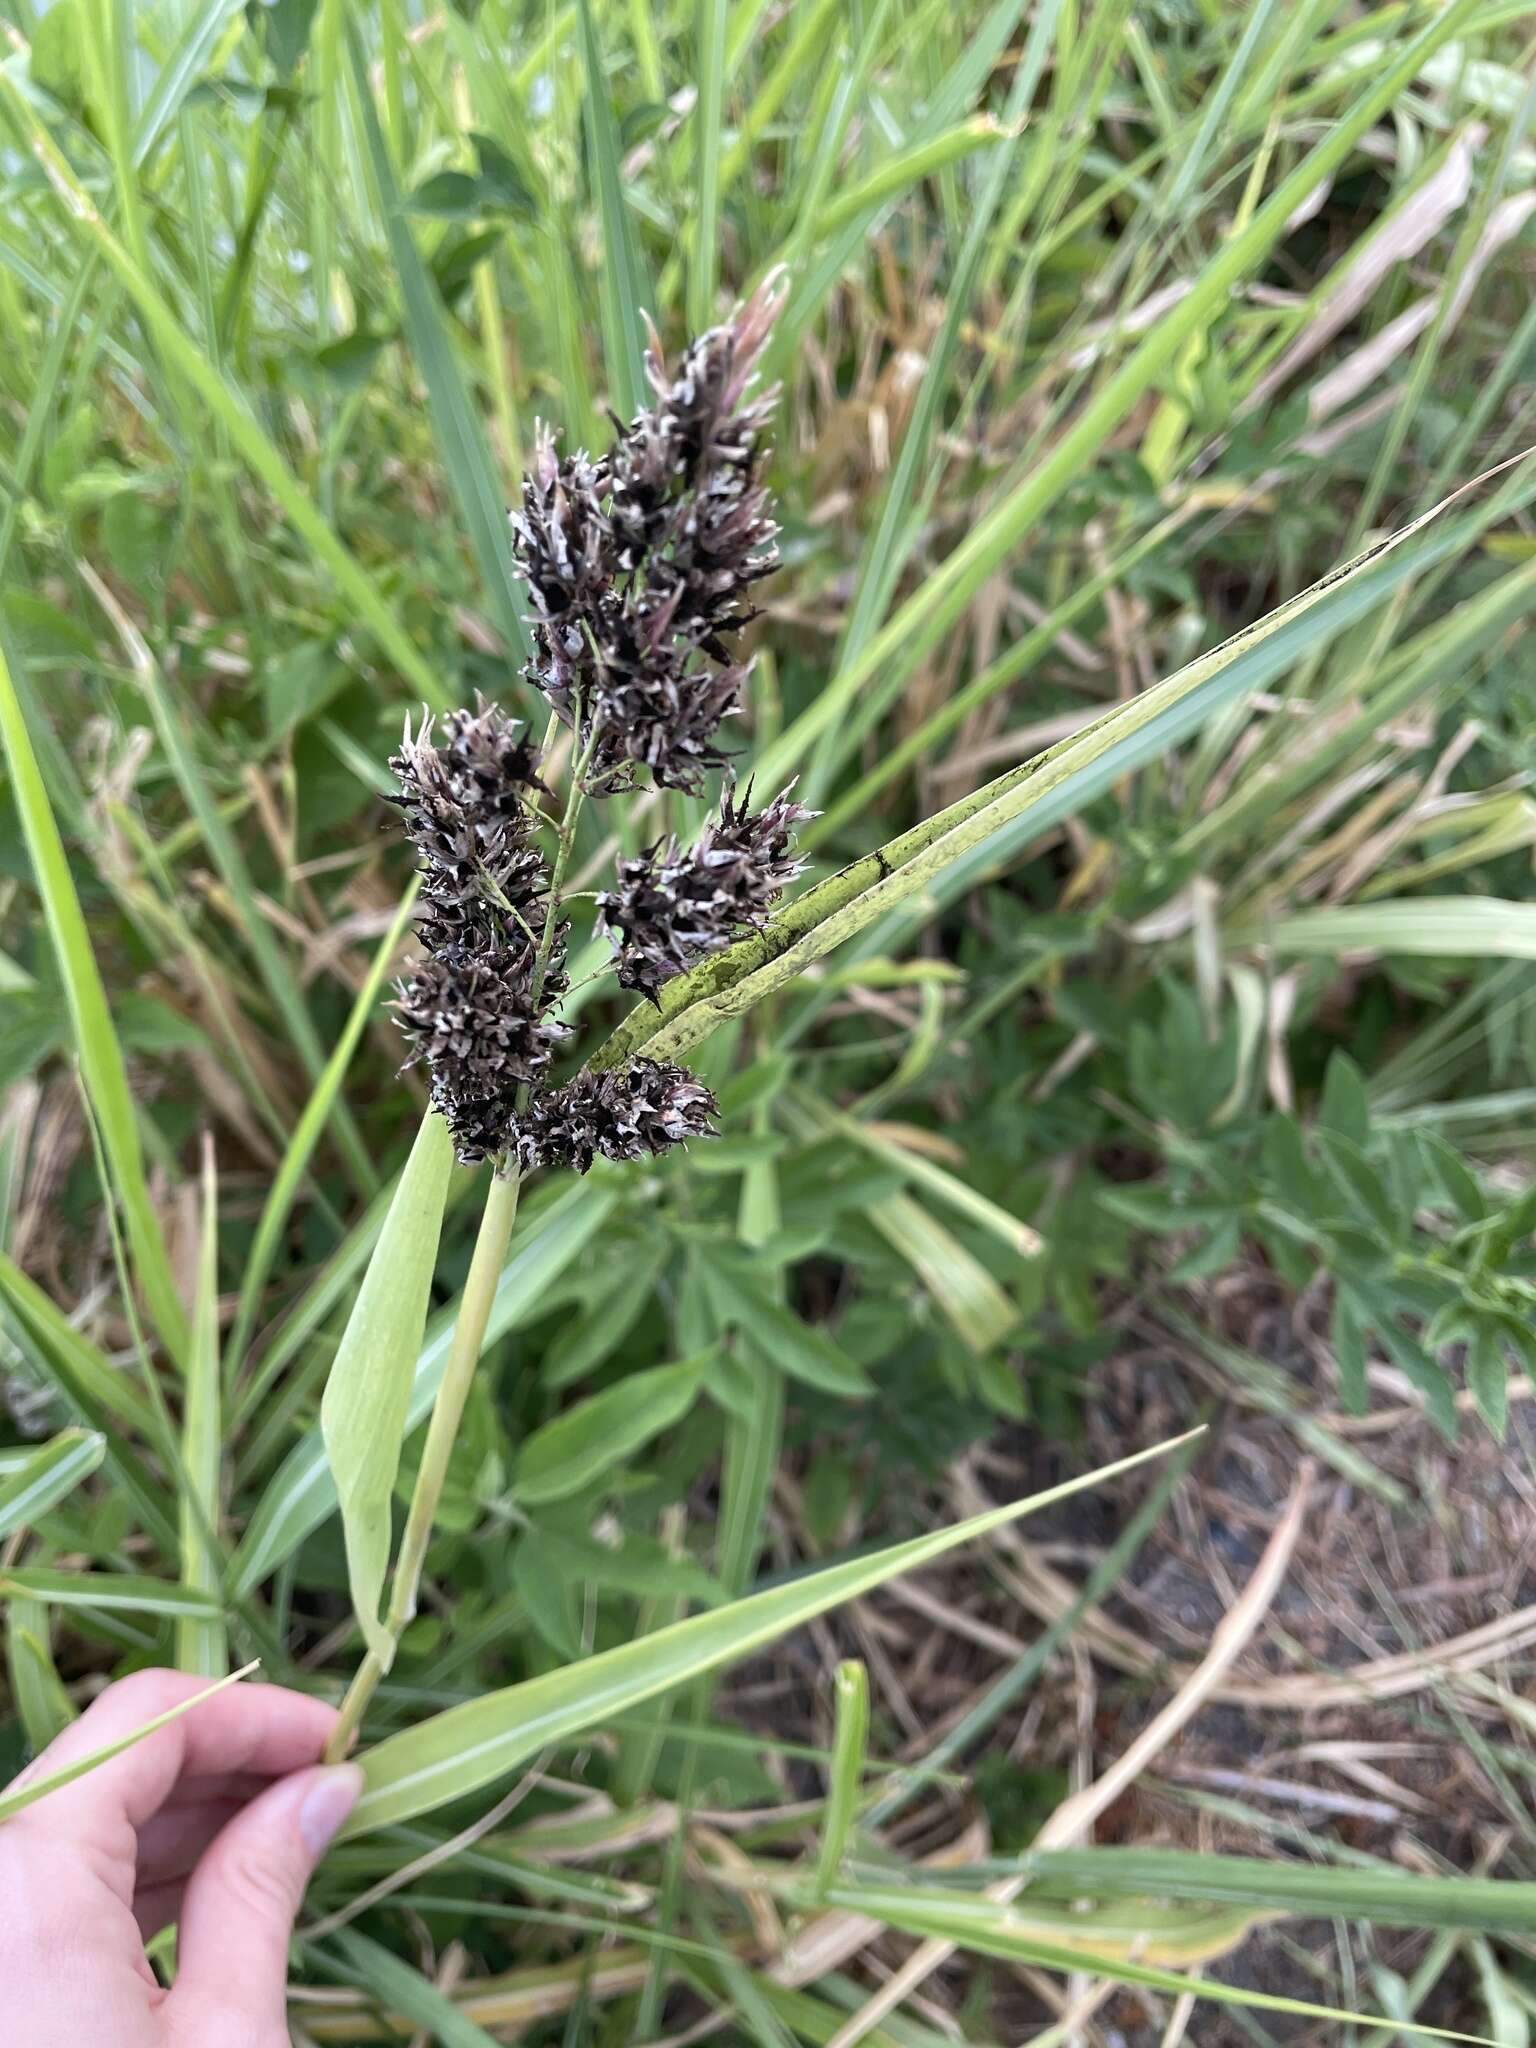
[640,566]
[641,563]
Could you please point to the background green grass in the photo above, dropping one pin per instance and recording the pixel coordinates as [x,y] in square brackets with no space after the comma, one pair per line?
[1110,328]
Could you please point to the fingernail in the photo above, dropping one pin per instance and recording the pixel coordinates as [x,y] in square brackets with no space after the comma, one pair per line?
[331,1796]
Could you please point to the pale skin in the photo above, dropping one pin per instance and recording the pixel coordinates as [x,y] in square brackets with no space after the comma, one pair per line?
[214,1822]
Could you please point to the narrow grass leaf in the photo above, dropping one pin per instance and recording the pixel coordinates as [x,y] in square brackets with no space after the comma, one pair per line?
[200,1639]
[175,729]
[98,1394]
[945,853]
[850,1734]
[101,1056]
[402,1993]
[47,1476]
[991,1927]
[195,45]
[979,1309]
[367,1396]
[708,115]
[115,1592]
[460,435]
[470,1746]
[20,1797]
[249,439]
[1453,927]
[890,544]
[908,167]
[43,1707]
[625,293]
[303,1492]
[927,615]
[306,1135]
[1386,1896]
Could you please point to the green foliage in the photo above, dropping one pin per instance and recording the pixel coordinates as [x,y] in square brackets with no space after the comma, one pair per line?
[1168,930]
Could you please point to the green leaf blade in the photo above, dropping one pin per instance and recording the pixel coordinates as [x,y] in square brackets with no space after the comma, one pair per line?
[470,1746]
[367,1396]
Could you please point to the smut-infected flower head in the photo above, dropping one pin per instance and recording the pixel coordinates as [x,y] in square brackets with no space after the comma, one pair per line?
[673,906]
[464,805]
[471,1010]
[640,563]
[642,1109]
[473,1018]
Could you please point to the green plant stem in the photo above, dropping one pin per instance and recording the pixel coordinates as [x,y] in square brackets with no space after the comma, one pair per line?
[442,1431]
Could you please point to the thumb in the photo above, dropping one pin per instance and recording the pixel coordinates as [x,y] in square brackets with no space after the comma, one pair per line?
[240,1904]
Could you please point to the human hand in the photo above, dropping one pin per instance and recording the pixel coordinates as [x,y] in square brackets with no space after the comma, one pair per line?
[187,1825]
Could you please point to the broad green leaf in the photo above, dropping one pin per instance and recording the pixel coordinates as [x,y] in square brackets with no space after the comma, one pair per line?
[579,1446]
[640,1566]
[101,1056]
[470,1746]
[608,1307]
[778,1335]
[302,1492]
[1488,1377]
[367,1396]
[1344,1107]
[47,1475]
[124,1592]
[14,1801]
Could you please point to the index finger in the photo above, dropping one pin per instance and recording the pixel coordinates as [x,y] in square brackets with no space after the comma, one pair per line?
[264,1730]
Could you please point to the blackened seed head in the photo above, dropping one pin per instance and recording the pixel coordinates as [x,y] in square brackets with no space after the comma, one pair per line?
[471,1017]
[640,564]
[671,907]
[642,1109]
[469,1010]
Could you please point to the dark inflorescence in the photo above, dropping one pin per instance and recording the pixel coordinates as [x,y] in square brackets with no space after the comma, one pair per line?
[464,803]
[643,1108]
[640,564]
[471,1009]
[473,1018]
[672,906]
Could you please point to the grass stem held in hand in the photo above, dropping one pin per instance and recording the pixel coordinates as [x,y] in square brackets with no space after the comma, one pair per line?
[442,1432]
